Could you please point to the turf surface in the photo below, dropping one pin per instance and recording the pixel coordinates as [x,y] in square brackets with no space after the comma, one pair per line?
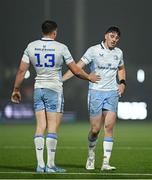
[132,152]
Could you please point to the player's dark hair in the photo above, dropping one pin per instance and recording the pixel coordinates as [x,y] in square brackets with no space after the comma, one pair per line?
[48,26]
[114,29]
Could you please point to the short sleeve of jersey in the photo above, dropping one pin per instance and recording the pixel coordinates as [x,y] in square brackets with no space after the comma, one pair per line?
[67,55]
[25,57]
[87,57]
[121,62]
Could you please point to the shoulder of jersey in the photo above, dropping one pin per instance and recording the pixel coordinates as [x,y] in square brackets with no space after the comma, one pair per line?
[60,44]
[118,49]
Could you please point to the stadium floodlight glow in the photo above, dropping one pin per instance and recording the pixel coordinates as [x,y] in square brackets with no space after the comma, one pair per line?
[8,111]
[132,110]
[140,75]
[27,74]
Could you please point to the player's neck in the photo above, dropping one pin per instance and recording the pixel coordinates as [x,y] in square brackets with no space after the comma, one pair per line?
[106,46]
[49,36]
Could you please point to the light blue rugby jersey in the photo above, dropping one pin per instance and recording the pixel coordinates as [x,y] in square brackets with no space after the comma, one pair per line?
[47,57]
[104,62]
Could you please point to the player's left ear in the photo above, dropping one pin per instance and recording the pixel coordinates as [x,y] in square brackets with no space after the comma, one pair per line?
[106,35]
[55,33]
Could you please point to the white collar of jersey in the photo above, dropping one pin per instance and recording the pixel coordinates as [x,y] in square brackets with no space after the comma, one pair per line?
[47,39]
[103,46]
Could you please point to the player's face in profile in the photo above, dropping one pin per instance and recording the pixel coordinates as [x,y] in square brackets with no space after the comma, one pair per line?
[111,39]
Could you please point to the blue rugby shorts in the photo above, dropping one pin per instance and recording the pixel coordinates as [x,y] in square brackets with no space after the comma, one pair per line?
[48,99]
[98,101]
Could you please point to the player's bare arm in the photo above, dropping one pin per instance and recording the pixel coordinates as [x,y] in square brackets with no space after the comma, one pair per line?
[122,79]
[69,74]
[80,73]
[16,95]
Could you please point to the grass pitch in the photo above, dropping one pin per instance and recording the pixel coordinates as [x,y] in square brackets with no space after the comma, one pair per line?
[132,152]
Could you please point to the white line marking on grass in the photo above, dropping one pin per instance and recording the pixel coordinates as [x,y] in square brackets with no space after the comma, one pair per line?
[98,174]
[77,147]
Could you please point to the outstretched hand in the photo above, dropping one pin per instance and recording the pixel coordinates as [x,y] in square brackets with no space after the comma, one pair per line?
[16,97]
[94,78]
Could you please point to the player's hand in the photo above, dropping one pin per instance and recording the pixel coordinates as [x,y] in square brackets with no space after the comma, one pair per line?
[121,89]
[16,97]
[94,78]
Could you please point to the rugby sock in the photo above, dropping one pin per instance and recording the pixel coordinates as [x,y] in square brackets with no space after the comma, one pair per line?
[51,143]
[92,141]
[107,148]
[39,147]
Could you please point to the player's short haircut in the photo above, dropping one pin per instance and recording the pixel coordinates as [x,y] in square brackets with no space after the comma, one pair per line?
[114,29]
[48,26]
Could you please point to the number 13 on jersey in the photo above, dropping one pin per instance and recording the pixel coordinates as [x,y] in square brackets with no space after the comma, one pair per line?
[48,58]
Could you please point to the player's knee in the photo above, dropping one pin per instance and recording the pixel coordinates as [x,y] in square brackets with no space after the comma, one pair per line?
[95,132]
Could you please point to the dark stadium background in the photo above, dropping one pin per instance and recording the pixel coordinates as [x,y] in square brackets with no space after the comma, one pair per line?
[81,23]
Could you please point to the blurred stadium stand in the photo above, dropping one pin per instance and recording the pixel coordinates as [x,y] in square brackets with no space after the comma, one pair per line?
[81,24]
